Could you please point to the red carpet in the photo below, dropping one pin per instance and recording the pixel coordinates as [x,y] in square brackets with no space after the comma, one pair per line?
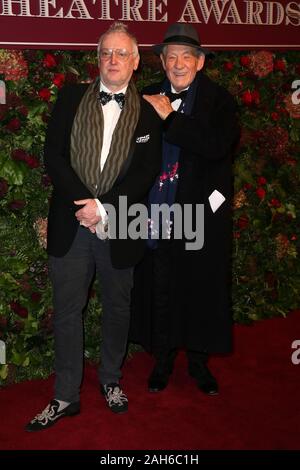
[258,406]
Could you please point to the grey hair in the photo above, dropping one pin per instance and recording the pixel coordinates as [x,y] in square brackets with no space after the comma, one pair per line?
[118,27]
[195,52]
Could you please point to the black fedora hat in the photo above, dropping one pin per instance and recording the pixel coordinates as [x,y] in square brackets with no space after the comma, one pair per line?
[181,34]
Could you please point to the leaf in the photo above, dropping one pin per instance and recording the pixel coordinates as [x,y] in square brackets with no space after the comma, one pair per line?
[26,362]
[4,371]
[72,70]
[7,281]
[17,358]
[291,210]
[13,172]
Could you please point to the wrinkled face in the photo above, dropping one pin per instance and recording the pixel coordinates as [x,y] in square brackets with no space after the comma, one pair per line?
[117,60]
[181,65]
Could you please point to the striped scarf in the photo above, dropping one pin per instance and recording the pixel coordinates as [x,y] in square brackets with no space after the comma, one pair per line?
[87,138]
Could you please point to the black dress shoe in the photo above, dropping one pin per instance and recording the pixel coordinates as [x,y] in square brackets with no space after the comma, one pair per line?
[51,414]
[159,377]
[157,381]
[206,382]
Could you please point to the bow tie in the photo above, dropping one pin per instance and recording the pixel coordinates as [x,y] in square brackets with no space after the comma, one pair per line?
[177,96]
[104,98]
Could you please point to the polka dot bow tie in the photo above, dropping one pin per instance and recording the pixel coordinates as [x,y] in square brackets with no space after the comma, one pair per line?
[104,98]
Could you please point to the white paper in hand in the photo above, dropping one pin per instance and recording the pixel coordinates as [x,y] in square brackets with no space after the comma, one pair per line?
[216,199]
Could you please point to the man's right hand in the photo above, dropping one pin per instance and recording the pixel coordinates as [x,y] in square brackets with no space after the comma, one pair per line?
[161,104]
[87,215]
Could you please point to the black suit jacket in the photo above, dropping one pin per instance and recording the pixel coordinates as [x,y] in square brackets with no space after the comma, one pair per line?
[135,178]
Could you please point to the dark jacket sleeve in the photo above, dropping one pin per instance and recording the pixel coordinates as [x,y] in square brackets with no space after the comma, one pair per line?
[211,134]
[67,184]
[145,164]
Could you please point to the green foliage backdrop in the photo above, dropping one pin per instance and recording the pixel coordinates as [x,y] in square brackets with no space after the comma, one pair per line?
[266,271]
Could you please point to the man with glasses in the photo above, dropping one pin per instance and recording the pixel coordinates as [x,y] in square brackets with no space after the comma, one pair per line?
[103,142]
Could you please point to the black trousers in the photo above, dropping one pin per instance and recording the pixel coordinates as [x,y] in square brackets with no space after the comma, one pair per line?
[163,269]
[71,276]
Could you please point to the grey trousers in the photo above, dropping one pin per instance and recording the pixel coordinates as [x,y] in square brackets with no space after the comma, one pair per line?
[71,277]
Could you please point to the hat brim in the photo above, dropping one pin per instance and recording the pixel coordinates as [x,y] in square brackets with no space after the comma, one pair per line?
[158,48]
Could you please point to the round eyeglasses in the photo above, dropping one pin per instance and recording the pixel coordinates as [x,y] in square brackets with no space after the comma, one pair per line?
[120,54]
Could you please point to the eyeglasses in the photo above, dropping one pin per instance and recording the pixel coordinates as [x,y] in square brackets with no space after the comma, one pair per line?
[120,54]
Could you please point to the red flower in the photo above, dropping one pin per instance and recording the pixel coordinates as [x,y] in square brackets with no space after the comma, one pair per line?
[35,296]
[274,116]
[255,97]
[247,98]
[92,70]
[261,192]
[236,235]
[294,237]
[49,61]
[3,323]
[71,77]
[19,155]
[3,110]
[23,110]
[247,186]
[3,187]
[274,141]
[275,203]
[19,310]
[261,181]
[291,161]
[13,65]
[280,65]
[261,63]
[243,222]
[17,204]
[228,66]
[45,94]
[32,162]
[59,79]
[14,125]
[46,180]
[245,61]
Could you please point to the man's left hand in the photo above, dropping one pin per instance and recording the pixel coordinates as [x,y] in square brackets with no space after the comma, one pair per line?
[87,215]
[161,104]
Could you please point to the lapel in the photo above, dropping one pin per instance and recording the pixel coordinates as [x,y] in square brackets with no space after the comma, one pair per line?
[204,101]
[131,151]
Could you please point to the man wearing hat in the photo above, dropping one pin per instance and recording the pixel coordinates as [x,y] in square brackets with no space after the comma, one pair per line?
[181,297]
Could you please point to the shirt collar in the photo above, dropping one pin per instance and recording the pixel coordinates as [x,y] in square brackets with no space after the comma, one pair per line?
[176,92]
[107,90]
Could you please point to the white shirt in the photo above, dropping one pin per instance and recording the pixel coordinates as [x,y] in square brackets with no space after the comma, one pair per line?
[176,103]
[111,113]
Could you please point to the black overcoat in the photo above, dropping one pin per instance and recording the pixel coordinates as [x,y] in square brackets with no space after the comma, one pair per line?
[199,310]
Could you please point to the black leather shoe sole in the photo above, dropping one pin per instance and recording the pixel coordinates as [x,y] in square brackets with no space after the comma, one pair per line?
[206,382]
[157,385]
[209,387]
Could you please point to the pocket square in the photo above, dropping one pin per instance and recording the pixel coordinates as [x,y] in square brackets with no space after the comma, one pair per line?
[216,199]
[143,139]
